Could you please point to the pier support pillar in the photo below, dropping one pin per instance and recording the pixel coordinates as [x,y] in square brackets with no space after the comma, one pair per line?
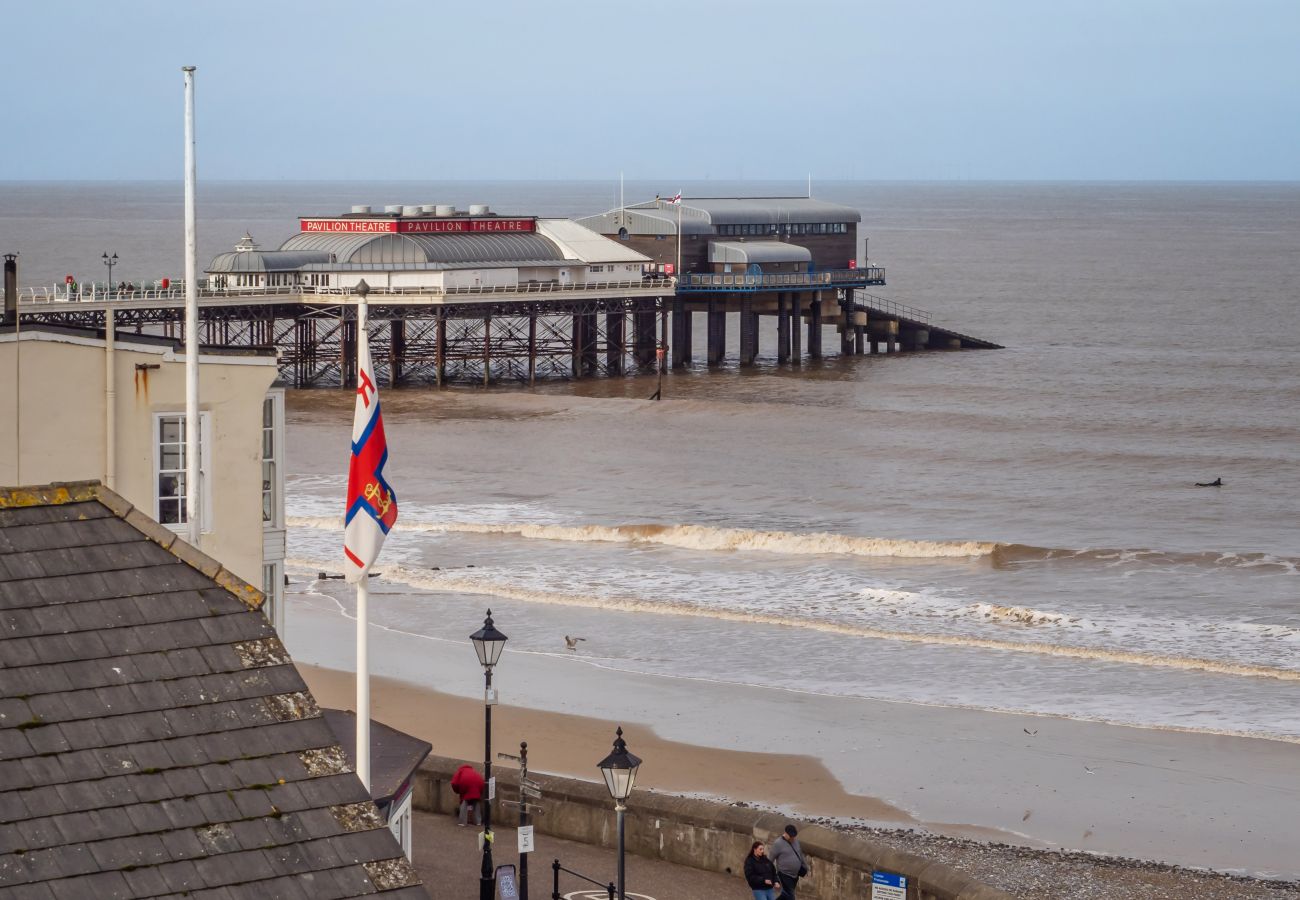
[681,342]
[717,332]
[815,326]
[590,354]
[440,350]
[748,333]
[614,343]
[532,345]
[396,351]
[487,350]
[796,324]
[782,329]
[875,346]
[859,340]
[348,353]
[643,337]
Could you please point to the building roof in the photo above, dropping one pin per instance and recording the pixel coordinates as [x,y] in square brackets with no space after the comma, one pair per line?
[394,755]
[171,349]
[757,252]
[581,243]
[702,215]
[240,261]
[427,248]
[155,737]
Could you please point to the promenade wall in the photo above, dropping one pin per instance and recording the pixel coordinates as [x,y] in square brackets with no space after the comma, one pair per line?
[703,834]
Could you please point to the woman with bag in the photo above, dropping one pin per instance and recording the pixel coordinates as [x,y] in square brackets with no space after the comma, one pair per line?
[760,874]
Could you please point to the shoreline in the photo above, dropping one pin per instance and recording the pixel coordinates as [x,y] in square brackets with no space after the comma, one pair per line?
[569,745]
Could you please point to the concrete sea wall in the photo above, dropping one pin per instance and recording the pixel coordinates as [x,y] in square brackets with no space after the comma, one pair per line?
[705,835]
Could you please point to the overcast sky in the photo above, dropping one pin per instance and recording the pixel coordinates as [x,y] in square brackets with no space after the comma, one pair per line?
[676,89]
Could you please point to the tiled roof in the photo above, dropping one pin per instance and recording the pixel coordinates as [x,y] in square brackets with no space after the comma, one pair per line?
[155,737]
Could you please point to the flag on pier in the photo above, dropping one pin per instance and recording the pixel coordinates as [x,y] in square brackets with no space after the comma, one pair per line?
[676,198]
[372,506]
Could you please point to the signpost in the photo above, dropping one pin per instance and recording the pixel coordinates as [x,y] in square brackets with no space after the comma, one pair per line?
[888,886]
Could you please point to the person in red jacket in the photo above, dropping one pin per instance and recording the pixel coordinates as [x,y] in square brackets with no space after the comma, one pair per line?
[468,786]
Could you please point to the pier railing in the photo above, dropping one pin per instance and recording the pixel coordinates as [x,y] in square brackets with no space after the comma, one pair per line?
[175,293]
[824,278]
[872,303]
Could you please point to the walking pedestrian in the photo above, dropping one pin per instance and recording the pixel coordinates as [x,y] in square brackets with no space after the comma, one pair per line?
[789,860]
[468,785]
[760,874]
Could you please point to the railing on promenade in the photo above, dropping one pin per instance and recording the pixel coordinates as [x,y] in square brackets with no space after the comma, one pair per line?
[176,293]
[823,278]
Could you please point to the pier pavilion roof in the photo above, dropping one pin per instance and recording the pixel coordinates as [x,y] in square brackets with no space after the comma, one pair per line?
[702,215]
[155,737]
[427,248]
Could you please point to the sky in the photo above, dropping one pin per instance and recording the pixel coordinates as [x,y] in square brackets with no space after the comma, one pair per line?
[506,89]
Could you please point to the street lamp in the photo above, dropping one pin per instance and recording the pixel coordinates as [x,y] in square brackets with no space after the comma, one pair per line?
[488,644]
[619,769]
[110,261]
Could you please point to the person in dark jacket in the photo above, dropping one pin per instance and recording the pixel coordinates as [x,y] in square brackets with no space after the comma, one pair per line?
[760,874]
[789,860]
[468,785]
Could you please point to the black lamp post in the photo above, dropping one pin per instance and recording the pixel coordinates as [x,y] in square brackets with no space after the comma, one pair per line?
[488,644]
[110,261]
[619,769]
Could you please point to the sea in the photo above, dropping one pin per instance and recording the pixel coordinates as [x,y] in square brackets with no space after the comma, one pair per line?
[1016,529]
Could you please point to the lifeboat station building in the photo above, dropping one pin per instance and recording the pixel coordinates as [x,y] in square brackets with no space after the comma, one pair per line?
[796,259]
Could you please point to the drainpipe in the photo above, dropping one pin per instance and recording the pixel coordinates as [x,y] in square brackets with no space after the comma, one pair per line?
[110,402]
[10,317]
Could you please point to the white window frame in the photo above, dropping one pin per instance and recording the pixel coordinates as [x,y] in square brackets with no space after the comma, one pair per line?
[276,398]
[273,589]
[205,456]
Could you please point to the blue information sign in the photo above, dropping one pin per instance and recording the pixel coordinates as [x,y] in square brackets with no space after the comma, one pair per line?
[888,886]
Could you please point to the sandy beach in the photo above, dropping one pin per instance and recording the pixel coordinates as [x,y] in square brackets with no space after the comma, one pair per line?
[562,743]
[1036,782]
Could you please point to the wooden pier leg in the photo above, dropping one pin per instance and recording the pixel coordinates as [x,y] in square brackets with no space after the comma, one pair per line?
[661,362]
[792,302]
[815,326]
[782,329]
[590,353]
[487,350]
[643,338]
[681,342]
[859,339]
[614,343]
[575,348]
[347,353]
[532,345]
[396,351]
[440,350]
[717,332]
[875,346]
[748,332]
[300,353]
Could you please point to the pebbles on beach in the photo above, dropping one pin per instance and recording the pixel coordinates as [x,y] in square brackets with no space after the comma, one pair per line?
[1067,875]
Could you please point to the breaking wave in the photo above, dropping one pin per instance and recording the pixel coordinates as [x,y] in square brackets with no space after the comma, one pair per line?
[709,538]
[695,537]
[483,584]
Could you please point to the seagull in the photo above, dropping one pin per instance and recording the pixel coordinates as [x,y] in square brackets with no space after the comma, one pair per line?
[571,643]
[1089,771]
[1027,731]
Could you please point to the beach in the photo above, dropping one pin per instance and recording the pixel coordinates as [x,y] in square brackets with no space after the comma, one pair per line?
[799,785]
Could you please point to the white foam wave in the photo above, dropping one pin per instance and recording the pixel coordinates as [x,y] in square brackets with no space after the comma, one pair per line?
[483,583]
[695,537]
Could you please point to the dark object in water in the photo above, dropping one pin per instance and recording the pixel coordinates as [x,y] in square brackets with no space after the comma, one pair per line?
[1218,482]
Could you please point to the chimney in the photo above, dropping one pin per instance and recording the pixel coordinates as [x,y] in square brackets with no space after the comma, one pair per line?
[11,289]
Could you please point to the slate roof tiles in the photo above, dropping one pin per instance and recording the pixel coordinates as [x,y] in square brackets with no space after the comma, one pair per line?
[155,737]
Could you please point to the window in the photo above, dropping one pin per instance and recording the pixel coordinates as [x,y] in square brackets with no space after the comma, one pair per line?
[273,588]
[169,468]
[271,505]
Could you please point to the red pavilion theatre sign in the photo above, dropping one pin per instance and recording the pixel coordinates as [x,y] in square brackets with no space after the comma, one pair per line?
[417,226]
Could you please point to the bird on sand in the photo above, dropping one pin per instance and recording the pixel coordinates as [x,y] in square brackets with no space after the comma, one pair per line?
[1027,731]
[1218,482]
[571,643]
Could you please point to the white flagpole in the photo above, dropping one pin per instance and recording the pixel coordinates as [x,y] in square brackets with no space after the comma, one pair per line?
[192,514]
[363,621]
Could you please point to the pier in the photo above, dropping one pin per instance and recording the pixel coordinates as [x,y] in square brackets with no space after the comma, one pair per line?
[492,335]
